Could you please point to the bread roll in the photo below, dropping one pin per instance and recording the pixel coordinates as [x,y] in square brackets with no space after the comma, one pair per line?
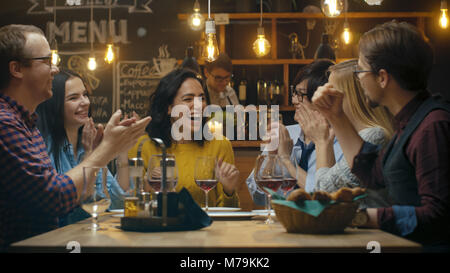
[343,195]
[322,196]
[358,191]
[299,195]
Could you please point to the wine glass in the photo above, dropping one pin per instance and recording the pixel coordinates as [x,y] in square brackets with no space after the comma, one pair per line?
[289,175]
[268,174]
[95,197]
[154,172]
[205,175]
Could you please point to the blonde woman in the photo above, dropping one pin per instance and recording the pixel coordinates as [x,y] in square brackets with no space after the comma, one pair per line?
[373,125]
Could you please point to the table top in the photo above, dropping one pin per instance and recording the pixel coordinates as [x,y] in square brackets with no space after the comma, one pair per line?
[250,236]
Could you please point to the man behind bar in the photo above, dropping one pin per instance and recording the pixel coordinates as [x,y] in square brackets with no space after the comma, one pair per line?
[32,194]
[393,67]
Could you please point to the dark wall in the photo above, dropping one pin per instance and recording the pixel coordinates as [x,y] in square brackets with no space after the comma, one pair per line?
[163,27]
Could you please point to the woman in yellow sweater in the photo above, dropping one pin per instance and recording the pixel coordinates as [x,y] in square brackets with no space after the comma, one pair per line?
[176,90]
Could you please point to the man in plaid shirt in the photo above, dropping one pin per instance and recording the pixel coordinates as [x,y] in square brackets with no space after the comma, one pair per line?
[32,193]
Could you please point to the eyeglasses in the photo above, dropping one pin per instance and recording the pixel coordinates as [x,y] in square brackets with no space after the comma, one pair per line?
[221,79]
[300,93]
[46,59]
[357,70]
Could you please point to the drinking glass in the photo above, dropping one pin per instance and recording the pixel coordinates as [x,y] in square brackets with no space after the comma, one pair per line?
[154,172]
[205,175]
[268,174]
[289,175]
[95,197]
[154,175]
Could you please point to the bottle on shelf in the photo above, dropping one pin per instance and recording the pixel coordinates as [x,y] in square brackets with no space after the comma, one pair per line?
[243,89]
[276,93]
[261,87]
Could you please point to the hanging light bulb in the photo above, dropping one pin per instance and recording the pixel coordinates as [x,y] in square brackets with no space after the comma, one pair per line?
[443,20]
[55,59]
[261,46]
[346,34]
[196,20]
[109,56]
[92,64]
[211,49]
[332,8]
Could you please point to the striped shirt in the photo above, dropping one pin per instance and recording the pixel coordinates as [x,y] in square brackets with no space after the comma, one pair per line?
[32,194]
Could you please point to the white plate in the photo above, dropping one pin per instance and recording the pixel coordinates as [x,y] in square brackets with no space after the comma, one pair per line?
[262,212]
[222,209]
[231,214]
[116,210]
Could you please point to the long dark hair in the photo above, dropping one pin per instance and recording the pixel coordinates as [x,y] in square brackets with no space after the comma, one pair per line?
[316,75]
[160,101]
[51,115]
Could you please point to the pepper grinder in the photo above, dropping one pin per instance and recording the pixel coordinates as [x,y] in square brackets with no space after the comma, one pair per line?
[163,181]
[136,167]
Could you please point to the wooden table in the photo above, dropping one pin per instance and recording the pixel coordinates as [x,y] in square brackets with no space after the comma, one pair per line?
[250,236]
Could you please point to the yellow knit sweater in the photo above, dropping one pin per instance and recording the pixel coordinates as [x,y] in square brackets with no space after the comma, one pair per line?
[185,155]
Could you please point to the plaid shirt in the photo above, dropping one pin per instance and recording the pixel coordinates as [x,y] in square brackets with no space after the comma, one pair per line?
[32,194]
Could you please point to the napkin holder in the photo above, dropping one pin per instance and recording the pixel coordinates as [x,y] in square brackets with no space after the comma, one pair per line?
[183,213]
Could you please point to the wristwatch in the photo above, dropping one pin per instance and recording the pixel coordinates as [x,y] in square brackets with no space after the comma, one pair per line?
[361,218]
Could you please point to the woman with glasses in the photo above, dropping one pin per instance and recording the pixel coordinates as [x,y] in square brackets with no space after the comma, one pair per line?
[70,136]
[296,146]
[217,87]
[374,125]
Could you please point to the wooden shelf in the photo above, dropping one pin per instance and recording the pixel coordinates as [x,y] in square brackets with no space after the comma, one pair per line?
[267,61]
[301,15]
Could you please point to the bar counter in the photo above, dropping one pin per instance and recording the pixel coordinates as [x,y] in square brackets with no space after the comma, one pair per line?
[223,236]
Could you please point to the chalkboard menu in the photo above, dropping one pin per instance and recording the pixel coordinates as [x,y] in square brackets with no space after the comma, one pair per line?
[136,81]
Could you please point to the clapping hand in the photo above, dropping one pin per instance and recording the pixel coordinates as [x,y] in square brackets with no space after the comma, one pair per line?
[228,175]
[314,124]
[91,136]
[328,101]
[121,135]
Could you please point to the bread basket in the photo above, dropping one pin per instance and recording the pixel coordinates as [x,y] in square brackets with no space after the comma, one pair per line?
[333,219]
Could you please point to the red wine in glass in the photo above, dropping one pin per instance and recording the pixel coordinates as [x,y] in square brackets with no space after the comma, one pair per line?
[288,184]
[273,184]
[207,184]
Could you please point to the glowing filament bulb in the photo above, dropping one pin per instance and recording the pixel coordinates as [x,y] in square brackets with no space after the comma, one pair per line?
[109,57]
[196,20]
[261,46]
[443,20]
[346,34]
[55,59]
[211,49]
[332,8]
[92,64]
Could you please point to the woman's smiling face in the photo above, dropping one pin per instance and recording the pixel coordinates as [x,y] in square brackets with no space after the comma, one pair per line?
[76,103]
